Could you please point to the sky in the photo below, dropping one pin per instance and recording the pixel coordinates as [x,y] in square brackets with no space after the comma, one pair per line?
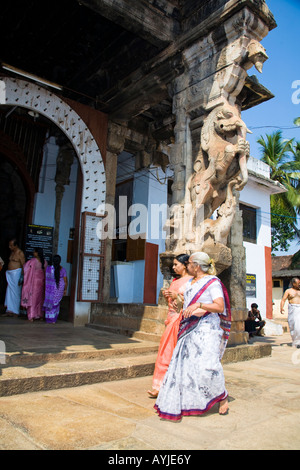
[280,75]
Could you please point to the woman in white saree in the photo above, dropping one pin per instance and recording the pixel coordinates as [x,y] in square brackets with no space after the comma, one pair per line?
[195,380]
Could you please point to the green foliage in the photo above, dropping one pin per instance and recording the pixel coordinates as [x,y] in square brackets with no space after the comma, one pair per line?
[296,261]
[283,157]
[282,228]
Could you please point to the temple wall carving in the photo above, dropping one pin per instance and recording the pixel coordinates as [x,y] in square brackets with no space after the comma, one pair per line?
[209,156]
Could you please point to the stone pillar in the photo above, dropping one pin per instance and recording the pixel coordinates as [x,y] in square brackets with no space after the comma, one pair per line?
[64,163]
[234,279]
[207,101]
[115,145]
[180,152]
[59,193]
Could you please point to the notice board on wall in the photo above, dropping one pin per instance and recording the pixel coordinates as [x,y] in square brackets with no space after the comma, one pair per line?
[39,236]
[250,285]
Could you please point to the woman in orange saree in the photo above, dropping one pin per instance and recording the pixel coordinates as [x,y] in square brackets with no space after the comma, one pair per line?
[174,297]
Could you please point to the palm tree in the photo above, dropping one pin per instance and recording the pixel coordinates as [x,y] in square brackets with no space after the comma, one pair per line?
[284,161]
[297,121]
[293,171]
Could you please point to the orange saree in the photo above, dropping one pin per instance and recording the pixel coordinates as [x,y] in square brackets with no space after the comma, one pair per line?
[169,337]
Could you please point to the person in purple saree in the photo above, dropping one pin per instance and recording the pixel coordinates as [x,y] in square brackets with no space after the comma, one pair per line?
[56,288]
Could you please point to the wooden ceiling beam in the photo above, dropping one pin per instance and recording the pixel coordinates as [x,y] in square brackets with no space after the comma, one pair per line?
[158,25]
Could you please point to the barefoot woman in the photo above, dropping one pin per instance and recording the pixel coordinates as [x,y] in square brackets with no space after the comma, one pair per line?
[169,338]
[195,381]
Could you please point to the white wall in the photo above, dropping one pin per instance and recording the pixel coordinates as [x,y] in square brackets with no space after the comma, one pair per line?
[258,196]
[44,209]
[277,293]
[150,190]
[157,205]
[129,276]
[255,264]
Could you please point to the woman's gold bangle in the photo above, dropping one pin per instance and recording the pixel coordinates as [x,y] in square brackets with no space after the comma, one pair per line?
[200,306]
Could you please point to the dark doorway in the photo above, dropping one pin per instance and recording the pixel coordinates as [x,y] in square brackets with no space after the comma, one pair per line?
[13,203]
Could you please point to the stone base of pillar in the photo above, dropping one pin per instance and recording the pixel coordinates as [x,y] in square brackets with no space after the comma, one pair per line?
[238,335]
[146,323]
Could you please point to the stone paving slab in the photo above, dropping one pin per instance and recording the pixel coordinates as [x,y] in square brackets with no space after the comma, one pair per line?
[264,399]
[46,357]
[25,338]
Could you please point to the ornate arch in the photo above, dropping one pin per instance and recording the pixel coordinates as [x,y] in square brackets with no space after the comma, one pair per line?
[15,92]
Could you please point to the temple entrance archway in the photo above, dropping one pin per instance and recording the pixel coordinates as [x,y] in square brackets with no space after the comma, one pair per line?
[90,173]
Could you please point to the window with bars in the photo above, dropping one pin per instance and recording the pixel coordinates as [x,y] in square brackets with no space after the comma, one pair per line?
[249,216]
[91,262]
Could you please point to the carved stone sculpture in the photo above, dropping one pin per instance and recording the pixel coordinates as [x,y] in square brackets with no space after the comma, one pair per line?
[209,155]
[210,151]
[220,166]
[223,155]
[256,55]
[217,230]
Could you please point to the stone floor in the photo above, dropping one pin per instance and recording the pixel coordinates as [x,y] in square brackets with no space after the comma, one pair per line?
[264,413]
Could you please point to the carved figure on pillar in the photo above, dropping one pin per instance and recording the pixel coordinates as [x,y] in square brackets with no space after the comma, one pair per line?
[220,167]
[211,152]
[223,156]
[213,166]
[217,230]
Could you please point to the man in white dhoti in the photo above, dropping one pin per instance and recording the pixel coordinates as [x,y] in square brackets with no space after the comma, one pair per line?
[13,277]
[293,297]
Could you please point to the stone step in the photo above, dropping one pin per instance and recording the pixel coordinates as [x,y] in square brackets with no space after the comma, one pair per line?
[37,356]
[42,357]
[130,317]
[63,372]
[32,358]
[32,372]
[118,329]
